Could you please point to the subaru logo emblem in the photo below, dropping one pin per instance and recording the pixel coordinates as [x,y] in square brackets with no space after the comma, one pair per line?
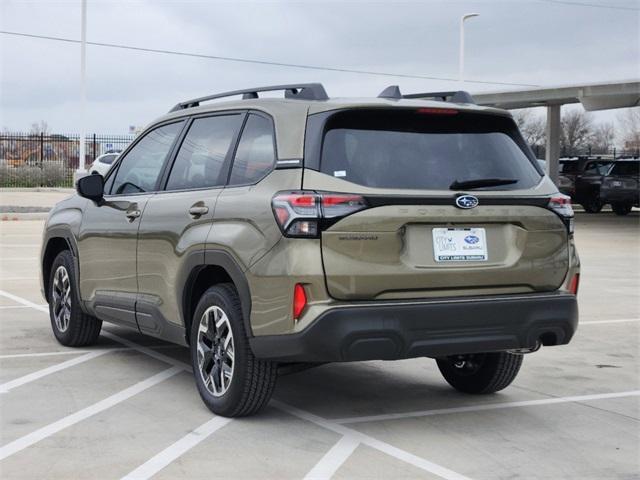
[466,201]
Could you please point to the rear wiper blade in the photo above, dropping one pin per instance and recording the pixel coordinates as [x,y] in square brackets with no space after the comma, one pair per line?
[481,182]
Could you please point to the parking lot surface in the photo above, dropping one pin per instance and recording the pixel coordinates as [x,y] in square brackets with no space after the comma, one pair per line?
[128,407]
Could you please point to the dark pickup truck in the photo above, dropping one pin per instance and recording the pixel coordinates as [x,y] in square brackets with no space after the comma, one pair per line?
[581,179]
[621,186]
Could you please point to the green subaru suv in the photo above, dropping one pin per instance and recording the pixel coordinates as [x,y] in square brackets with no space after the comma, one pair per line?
[269,234]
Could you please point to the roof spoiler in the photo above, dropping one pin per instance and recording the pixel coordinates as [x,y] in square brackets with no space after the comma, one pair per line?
[393,92]
[302,91]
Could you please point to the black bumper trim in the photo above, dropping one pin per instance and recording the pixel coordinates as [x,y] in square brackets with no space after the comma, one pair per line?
[390,331]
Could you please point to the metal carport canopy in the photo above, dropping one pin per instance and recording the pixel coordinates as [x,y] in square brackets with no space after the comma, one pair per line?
[597,96]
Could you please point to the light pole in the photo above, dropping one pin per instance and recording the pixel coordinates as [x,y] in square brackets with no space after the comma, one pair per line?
[461,56]
[81,172]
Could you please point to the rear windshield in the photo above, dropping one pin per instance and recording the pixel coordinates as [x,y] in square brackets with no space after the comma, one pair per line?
[626,168]
[417,149]
[570,166]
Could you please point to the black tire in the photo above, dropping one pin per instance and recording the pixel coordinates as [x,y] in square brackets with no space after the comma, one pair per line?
[71,326]
[593,204]
[480,372]
[252,380]
[621,208]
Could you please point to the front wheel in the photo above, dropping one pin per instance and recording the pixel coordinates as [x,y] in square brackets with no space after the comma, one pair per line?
[480,372]
[230,380]
[71,326]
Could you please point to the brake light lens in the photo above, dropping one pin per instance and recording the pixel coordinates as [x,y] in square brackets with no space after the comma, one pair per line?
[561,205]
[305,214]
[438,111]
[299,301]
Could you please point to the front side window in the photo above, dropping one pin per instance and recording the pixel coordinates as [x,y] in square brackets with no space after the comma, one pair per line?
[417,149]
[256,154]
[140,168]
[201,159]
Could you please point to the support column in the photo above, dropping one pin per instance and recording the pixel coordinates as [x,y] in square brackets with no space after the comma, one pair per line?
[552,154]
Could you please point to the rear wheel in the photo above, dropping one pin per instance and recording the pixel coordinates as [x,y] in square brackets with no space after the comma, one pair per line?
[621,208]
[71,326]
[230,380]
[480,372]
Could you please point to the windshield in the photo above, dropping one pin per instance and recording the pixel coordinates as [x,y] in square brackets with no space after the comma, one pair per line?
[414,150]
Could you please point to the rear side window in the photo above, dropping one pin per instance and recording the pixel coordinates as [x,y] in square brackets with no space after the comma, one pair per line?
[413,149]
[626,168]
[200,162]
[256,153]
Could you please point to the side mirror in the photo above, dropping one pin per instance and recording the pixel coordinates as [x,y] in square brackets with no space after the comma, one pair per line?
[91,187]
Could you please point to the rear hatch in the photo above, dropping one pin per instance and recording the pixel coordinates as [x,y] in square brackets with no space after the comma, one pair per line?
[423,226]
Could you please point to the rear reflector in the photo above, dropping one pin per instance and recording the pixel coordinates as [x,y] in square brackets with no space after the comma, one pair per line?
[299,301]
[574,284]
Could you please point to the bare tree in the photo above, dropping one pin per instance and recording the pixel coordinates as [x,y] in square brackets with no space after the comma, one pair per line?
[603,137]
[577,131]
[39,127]
[531,125]
[629,124]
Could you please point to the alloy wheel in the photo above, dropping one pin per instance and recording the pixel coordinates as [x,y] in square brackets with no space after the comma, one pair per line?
[216,351]
[61,299]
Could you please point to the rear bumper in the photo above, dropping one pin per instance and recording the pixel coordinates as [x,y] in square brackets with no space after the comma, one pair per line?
[390,331]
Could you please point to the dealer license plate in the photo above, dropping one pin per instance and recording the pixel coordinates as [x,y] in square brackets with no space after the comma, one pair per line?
[459,245]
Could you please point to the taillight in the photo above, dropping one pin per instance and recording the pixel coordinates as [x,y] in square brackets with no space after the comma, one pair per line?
[561,205]
[306,214]
[299,301]
[574,284]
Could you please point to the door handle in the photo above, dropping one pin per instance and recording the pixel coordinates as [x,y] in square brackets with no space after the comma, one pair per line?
[198,210]
[133,214]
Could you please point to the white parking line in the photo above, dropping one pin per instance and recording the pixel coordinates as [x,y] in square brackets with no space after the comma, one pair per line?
[18,382]
[10,307]
[24,301]
[53,428]
[11,279]
[619,320]
[488,406]
[20,245]
[333,459]
[176,450]
[62,352]
[384,447]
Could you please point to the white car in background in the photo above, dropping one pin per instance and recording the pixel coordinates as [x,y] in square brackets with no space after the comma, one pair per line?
[103,163]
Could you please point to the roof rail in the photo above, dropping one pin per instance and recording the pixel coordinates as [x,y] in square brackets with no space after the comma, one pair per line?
[302,91]
[460,96]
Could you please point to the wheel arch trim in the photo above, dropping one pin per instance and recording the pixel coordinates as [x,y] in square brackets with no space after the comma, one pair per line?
[199,259]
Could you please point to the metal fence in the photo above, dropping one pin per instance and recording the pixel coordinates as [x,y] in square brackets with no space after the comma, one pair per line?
[609,154]
[49,160]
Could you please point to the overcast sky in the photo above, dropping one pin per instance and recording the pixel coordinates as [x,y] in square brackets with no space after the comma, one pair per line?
[539,42]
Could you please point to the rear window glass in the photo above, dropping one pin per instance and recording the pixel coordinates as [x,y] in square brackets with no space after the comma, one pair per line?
[569,167]
[416,150]
[626,168]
